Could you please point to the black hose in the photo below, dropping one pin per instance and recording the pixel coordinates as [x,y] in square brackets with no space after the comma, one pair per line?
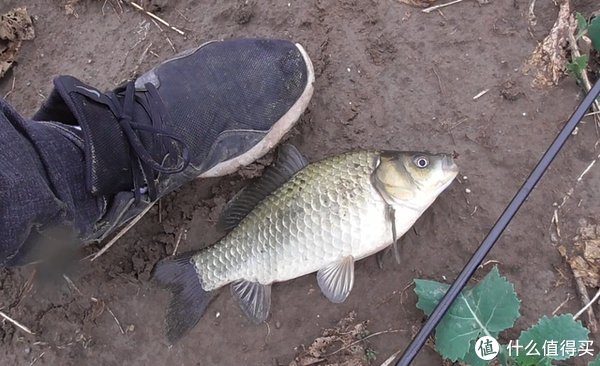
[417,343]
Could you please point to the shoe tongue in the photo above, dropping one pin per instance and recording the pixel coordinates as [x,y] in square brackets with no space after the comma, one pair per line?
[107,155]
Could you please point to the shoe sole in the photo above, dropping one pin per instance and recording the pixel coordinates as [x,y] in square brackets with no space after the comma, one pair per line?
[275,134]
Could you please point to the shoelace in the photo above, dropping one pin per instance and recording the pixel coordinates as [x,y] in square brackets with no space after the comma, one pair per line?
[164,138]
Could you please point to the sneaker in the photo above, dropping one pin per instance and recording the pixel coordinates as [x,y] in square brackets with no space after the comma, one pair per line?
[203,113]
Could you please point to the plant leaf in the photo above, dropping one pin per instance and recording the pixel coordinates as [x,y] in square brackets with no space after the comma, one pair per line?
[559,329]
[488,308]
[581,25]
[594,32]
[578,65]
[430,293]
[471,357]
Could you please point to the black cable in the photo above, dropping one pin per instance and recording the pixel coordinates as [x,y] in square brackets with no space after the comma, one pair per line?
[417,343]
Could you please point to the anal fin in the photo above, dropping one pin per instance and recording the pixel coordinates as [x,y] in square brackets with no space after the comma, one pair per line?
[254,299]
[337,279]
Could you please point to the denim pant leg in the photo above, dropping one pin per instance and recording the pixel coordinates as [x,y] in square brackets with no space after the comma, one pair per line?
[42,184]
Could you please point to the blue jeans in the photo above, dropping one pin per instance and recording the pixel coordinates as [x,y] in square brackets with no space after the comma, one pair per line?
[42,185]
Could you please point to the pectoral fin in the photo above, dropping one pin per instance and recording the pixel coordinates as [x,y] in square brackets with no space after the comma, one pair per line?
[337,279]
[254,299]
[395,247]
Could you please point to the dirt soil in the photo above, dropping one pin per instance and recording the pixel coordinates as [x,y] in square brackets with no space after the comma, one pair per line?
[387,76]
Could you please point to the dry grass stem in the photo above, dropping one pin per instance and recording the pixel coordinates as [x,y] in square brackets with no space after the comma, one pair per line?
[16,323]
[155,17]
[123,231]
[588,305]
[585,299]
[116,320]
[435,7]
[562,304]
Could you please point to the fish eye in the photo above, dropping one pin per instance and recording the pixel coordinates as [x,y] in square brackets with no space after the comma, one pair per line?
[421,162]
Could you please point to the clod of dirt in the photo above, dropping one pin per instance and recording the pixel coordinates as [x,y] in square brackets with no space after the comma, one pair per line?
[338,346]
[585,260]
[549,59]
[15,27]
[510,92]
[241,13]
[381,50]
[256,168]
[70,7]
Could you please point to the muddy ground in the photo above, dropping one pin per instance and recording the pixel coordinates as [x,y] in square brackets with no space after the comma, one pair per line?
[387,76]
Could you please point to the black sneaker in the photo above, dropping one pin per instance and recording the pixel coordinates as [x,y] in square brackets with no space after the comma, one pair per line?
[203,113]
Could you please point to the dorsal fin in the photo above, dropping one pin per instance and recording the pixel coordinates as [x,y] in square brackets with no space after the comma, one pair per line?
[289,161]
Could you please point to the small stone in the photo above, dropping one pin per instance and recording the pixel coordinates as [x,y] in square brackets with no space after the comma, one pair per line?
[130,328]
[277,324]
[467,190]
[218,314]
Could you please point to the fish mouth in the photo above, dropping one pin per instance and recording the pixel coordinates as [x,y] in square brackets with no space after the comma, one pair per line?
[449,165]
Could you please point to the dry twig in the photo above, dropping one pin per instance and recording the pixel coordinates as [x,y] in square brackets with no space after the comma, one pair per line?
[585,299]
[123,231]
[480,94]
[435,7]
[16,323]
[362,340]
[588,305]
[155,17]
[179,236]
[115,318]
[37,358]
[391,359]
[562,304]
[12,88]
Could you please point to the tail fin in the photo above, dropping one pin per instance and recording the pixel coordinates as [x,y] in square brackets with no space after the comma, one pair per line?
[189,300]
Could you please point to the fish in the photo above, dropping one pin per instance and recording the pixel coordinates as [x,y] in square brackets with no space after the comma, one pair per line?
[300,218]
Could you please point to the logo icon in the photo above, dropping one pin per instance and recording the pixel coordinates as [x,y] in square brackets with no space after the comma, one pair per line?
[487,348]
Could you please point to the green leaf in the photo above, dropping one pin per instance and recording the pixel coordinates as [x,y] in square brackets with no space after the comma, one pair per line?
[578,66]
[471,357]
[430,293]
[486,309]
[561,329]
[594,32]
[581,25]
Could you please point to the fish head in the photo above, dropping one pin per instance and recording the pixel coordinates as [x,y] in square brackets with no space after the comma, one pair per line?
[413,178]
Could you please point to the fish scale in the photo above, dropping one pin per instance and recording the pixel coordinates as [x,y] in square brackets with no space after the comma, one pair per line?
[325,212]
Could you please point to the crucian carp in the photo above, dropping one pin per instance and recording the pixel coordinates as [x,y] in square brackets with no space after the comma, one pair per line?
[300,218]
